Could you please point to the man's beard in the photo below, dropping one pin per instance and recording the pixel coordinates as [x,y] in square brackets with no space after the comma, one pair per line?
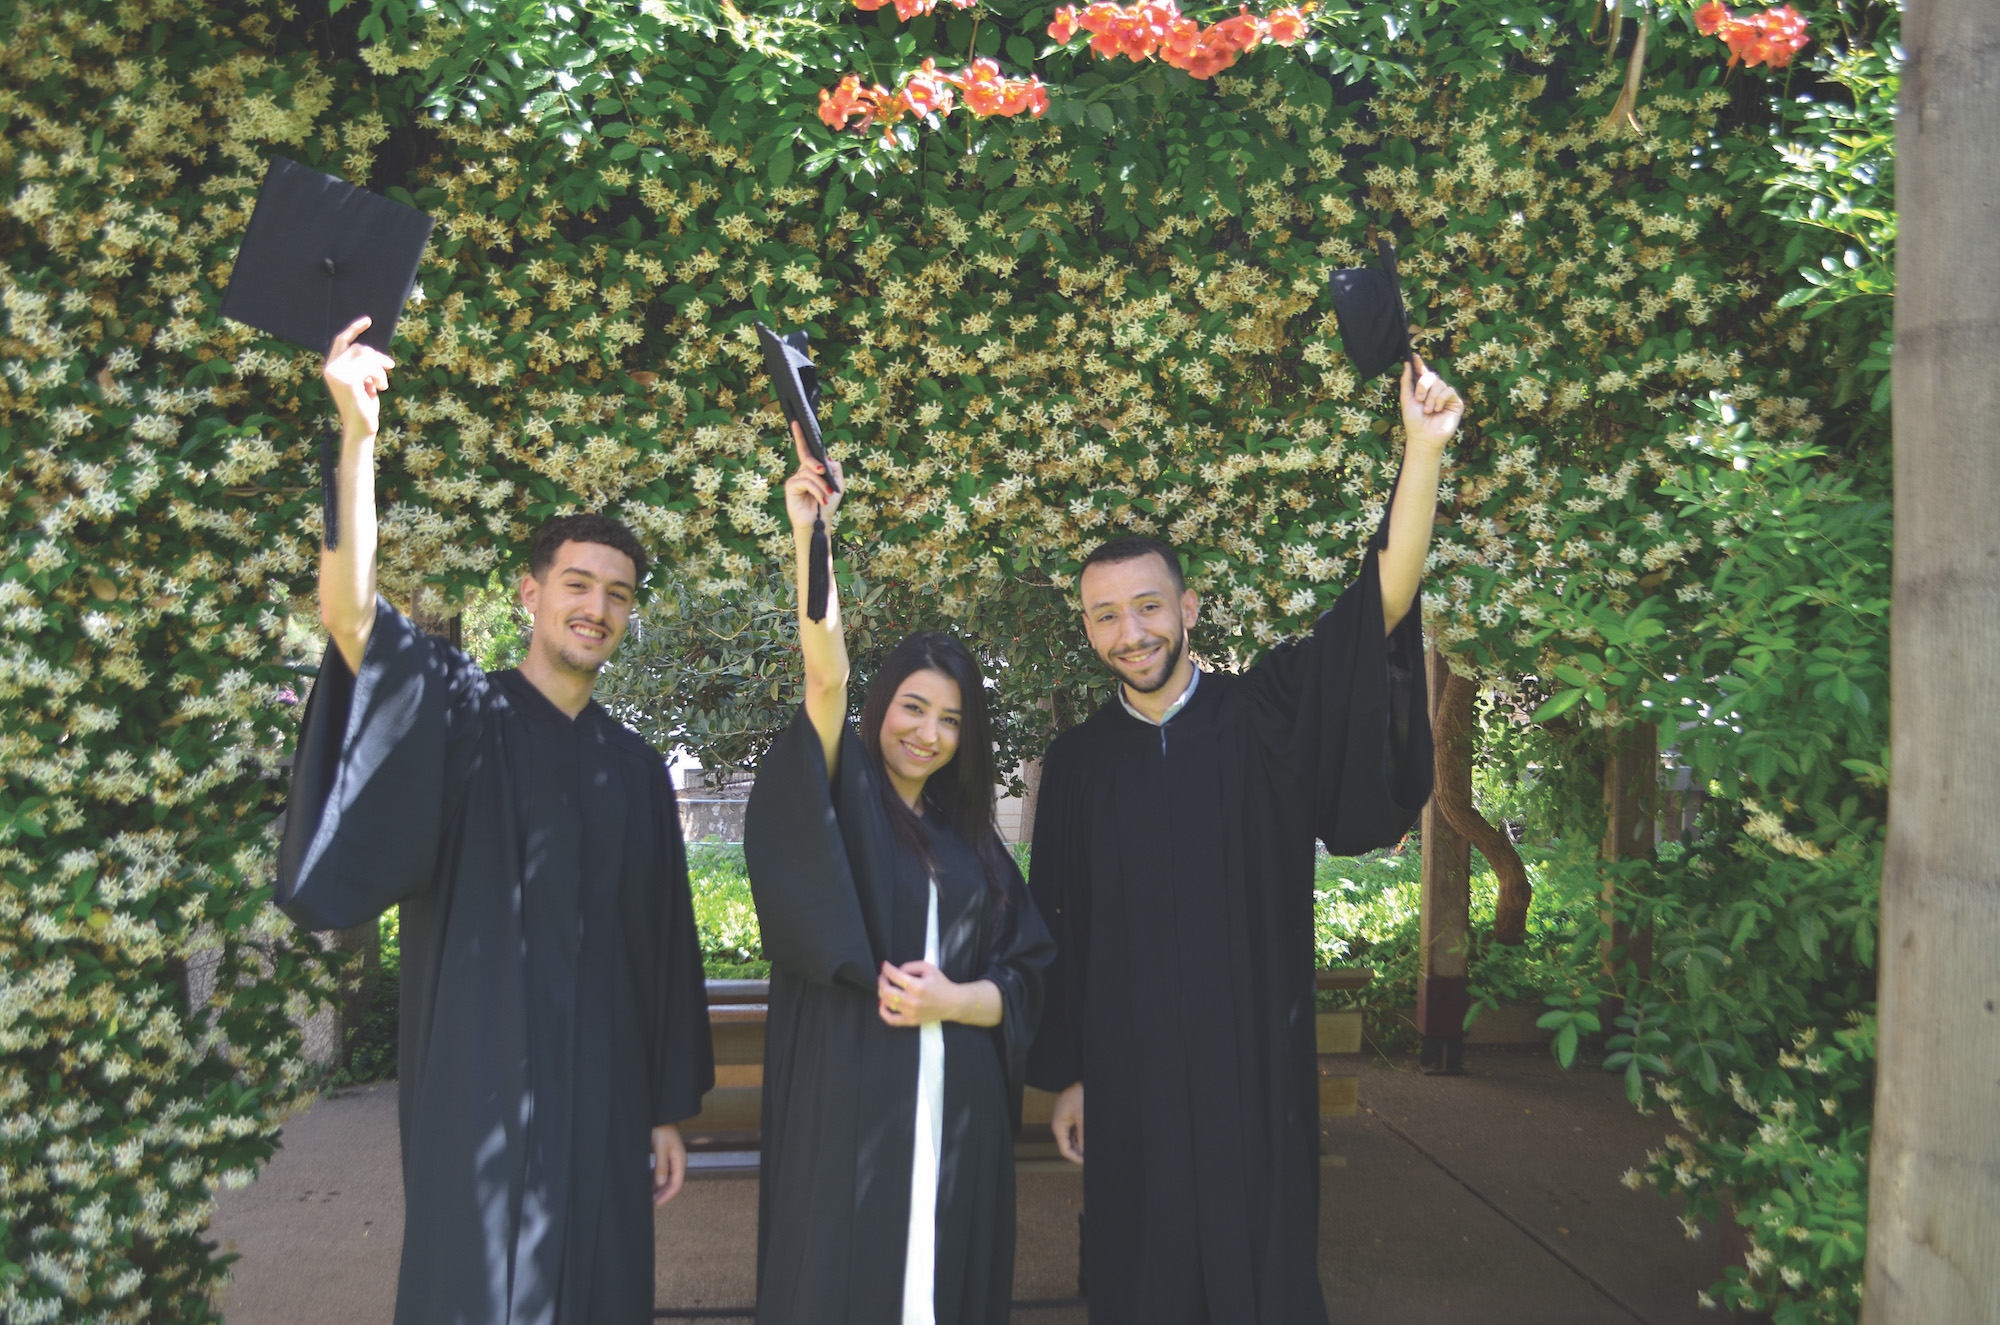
[564,657]
[1172,660]
[575,664]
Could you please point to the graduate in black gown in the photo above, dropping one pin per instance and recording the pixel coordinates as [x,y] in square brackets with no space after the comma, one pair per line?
[554,1017]
[906,973]
[1173,860]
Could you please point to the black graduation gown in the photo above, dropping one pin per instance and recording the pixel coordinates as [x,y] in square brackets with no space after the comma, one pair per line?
[1175,866]
[553,1006]
[836,896]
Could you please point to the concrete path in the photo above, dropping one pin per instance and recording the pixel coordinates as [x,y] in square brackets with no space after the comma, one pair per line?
[1488,1199]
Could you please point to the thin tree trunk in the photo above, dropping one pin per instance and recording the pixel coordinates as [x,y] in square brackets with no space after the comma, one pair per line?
[1031,798]
[1631,800]
[1031,778]
[1451,730]
[1443,922]
[1934,1168]
[360,981]
[431,613]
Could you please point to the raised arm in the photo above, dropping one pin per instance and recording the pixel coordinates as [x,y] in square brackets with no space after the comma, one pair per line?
[356,375]
[1431,414]
[822,642]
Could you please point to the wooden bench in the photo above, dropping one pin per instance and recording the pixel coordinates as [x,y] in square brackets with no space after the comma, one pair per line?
[731,1114]
[1339,1033]
[730,1117]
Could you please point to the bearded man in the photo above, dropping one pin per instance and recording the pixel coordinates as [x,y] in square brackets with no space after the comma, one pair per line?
[1173,859]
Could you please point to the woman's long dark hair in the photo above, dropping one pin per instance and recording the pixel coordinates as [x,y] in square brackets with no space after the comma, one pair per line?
[960,792]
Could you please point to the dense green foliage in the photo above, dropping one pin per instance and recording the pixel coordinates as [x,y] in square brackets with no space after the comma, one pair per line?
[1034,332]
[724,914]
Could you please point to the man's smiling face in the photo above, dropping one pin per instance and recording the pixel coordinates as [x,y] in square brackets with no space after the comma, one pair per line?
[581,606]
[1137,619]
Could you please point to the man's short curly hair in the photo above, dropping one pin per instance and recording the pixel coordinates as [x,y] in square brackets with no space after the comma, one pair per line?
[589,527]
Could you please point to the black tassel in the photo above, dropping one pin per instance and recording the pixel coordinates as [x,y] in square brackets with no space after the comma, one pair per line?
[818,572]
[329,492]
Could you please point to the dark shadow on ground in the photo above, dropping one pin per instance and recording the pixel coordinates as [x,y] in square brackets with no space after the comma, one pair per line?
[1487,1199]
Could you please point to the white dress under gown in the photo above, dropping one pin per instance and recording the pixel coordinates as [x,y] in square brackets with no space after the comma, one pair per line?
[927,1151]
[886,1192]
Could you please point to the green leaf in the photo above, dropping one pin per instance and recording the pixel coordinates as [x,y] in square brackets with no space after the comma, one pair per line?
[1566,1044]
[1557,706]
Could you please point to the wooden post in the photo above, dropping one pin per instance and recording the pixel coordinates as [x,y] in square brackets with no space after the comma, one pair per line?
[1445,919]
[1934,1168]
[1631,795]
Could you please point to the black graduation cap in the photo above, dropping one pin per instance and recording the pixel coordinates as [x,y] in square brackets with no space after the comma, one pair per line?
[795,379]
[318,254]
[1374,325]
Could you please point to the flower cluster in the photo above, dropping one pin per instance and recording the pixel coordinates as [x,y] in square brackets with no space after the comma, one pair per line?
[930,91]
[1157,27]
[1772,37]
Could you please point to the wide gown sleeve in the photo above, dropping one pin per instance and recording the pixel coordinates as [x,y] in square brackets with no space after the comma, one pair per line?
[1058,885]
[803,859]
[380,767]
[683,1050]
[1022,951]
[1345,712]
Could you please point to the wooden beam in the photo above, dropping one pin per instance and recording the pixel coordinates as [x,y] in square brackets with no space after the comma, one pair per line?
[1934,1169]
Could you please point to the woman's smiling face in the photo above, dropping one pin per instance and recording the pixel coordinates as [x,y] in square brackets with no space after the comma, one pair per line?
[920,731]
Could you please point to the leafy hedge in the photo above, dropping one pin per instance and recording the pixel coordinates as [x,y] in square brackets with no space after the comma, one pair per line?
[1035,332]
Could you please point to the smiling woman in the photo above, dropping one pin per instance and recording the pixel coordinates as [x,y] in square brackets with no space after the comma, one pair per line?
[887,905]
[918,733]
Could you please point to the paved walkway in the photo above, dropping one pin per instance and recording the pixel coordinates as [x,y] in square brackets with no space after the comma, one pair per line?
[1488,1199]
